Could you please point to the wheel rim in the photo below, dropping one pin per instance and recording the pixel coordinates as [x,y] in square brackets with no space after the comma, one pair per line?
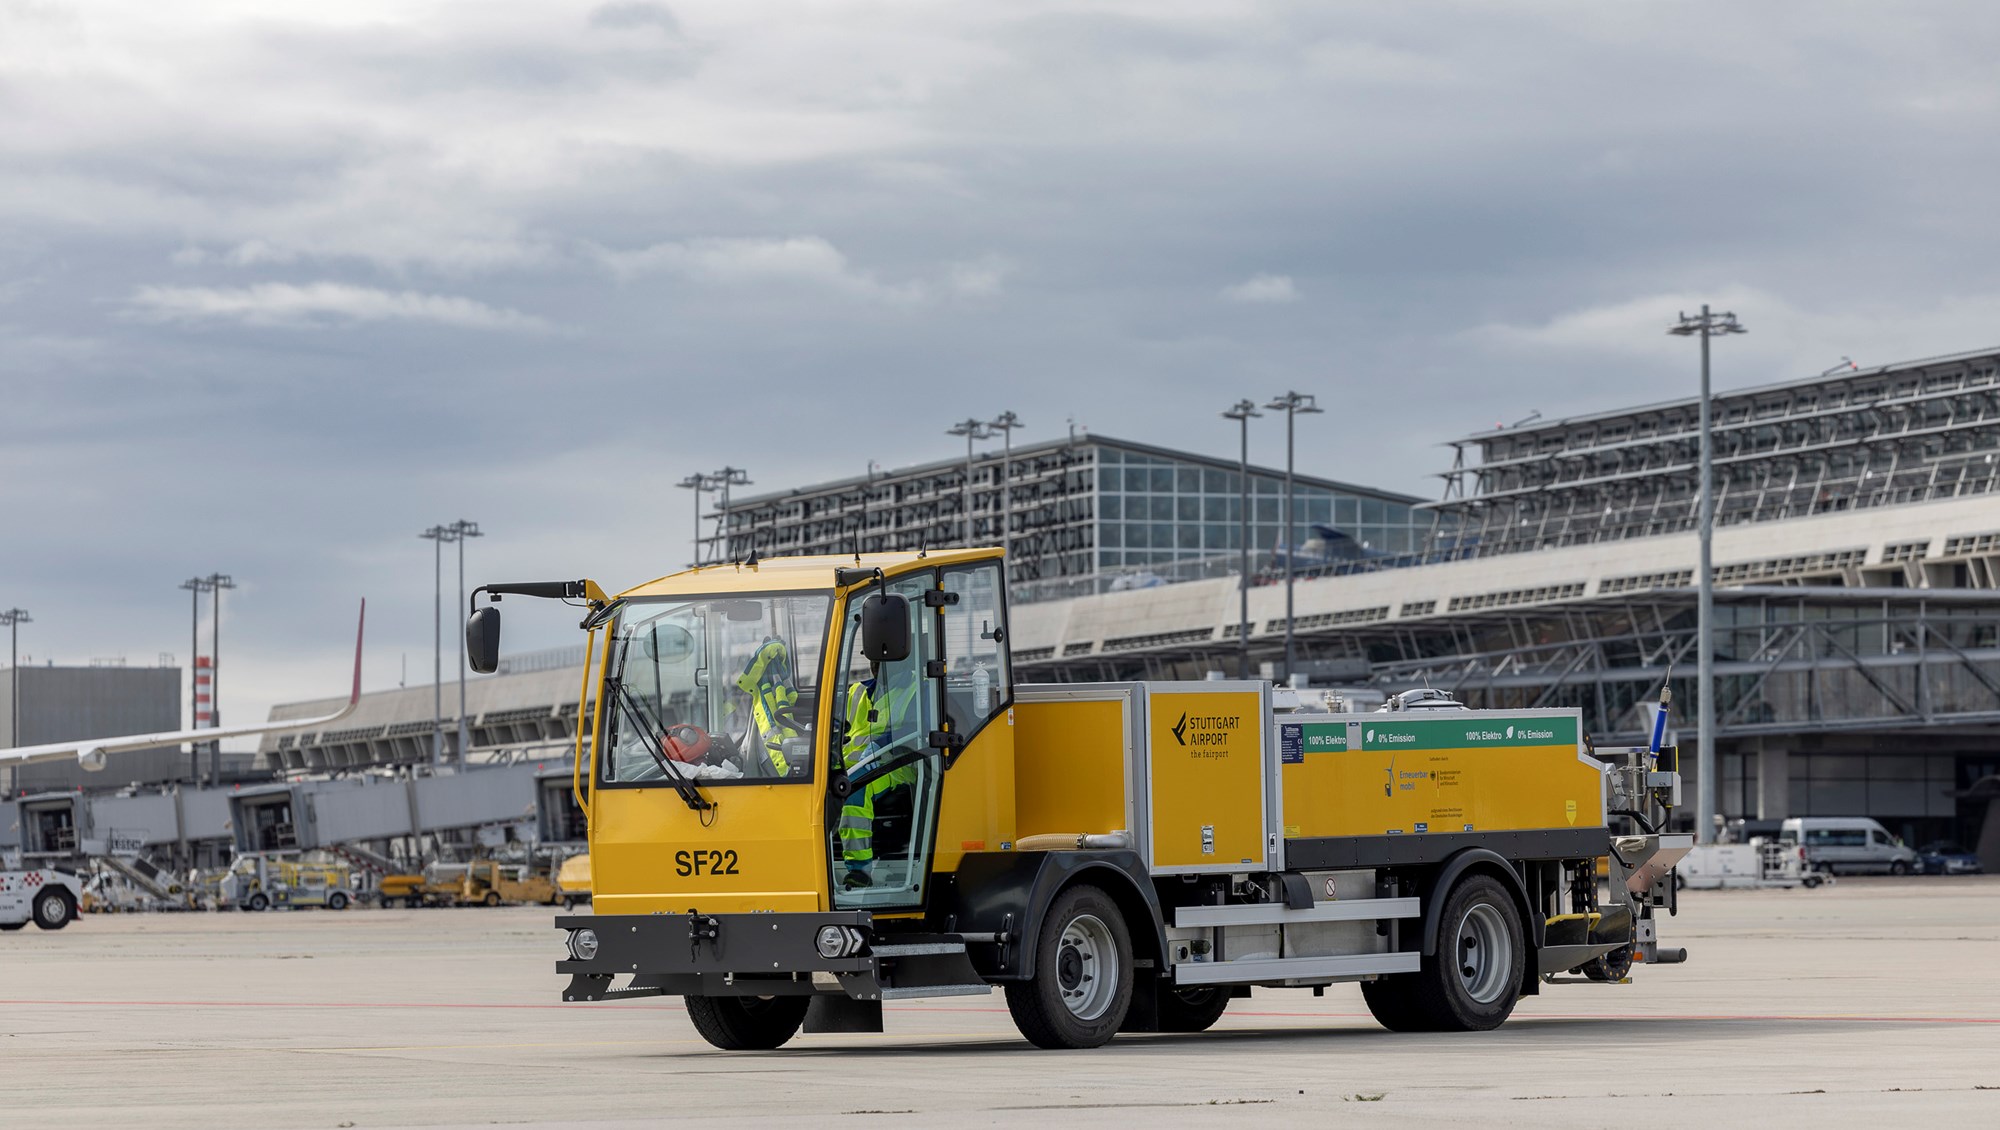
[1484,953]
[53,908]
[1087,967]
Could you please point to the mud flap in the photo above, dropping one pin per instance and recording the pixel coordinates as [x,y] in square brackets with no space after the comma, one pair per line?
[829,1013]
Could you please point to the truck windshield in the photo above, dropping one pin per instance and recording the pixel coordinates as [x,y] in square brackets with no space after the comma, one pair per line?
[723,687]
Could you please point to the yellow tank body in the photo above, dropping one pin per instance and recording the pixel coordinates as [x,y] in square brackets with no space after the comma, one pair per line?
[1435,772]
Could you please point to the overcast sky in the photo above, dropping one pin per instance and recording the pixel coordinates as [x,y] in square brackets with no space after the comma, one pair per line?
[283,285]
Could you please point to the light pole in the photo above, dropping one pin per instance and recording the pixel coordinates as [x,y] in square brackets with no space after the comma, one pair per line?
[14,618]
[971,431]
[216,583]
[1243,413]
[1293,404]
[700,484]
[1706,326]
[464,530]
[726,478]
[438,535]
[1005,423]
[195,587]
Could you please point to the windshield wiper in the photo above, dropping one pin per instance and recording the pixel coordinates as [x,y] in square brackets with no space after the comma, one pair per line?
[648,728]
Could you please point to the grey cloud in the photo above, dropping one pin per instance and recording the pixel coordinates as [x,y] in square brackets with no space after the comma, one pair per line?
[634,13]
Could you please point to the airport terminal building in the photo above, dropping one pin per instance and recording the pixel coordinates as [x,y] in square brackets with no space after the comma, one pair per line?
[1075,510]
[1857,563]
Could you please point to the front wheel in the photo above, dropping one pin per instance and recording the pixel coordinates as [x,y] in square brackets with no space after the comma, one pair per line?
[336,901]
[1898,867]
[492,899]
[53,909]
[1192,1010]
[259,902]
[1083,974]
[740,1024]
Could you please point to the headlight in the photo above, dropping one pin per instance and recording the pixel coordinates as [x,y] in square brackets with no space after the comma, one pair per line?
[583,944]
[837,941]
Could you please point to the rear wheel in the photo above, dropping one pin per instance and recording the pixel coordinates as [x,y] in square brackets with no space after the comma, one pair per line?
[1083,974]
[1192,1010]
[1473,980]
[492,898]
[53,909]
[336,901]
[738,1024]
[259,902]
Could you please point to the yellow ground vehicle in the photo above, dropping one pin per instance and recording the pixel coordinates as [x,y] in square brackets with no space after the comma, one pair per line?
[573,879]
[491,883]
[260,883]
[812,786]
[400,890]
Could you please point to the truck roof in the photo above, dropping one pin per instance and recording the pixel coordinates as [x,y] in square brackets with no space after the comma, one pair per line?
[798,573]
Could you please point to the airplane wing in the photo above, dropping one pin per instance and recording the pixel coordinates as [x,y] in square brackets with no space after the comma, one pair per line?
[91,753]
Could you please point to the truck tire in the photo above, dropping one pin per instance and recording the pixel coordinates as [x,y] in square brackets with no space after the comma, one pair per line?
[741,1024]
[1392,1001]
[1083,974]
[336,901]
[259,902]
[54,909]
[1194,1009]
[492,899]
[1474,979]
[1898,867]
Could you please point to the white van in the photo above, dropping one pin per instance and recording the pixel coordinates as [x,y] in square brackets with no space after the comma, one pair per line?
[1848,844]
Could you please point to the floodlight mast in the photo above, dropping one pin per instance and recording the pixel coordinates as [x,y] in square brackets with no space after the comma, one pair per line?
[971,429]
[1243,413]
[1705,326]
[1293,405]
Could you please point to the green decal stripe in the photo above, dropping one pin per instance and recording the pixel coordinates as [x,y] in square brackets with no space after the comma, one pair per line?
[1321,737]
[1474,732]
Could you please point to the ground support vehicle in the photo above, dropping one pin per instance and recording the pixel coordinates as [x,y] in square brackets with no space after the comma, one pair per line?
[1759,863]
[489,882]
[573,880]
[812,786]
[43,895]
[399,890]
[257,882]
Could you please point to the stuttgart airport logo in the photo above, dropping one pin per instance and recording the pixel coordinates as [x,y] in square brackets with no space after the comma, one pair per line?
[1180,729]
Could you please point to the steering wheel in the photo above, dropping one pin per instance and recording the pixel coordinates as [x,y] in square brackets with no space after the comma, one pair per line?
[685,743]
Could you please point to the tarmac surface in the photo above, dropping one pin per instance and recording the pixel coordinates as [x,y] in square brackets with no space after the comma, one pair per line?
[1875,1002]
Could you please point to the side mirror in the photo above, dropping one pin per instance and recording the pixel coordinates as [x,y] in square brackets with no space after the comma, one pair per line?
[885,629]
[482,640]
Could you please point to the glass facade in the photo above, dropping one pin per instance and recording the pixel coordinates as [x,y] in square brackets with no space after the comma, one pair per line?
[1152,509]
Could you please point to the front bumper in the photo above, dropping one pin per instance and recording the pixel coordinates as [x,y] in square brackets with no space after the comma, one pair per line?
[749,955]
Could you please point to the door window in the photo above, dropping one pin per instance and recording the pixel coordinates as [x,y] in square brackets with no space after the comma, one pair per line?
[881,832]
[976,681]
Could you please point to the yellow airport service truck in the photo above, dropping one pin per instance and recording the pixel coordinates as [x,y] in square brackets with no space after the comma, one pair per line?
[813,786]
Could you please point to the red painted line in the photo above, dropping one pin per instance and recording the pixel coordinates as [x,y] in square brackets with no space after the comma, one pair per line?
[308,1004]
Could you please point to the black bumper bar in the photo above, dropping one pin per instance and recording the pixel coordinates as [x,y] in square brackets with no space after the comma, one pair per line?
[738,955]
